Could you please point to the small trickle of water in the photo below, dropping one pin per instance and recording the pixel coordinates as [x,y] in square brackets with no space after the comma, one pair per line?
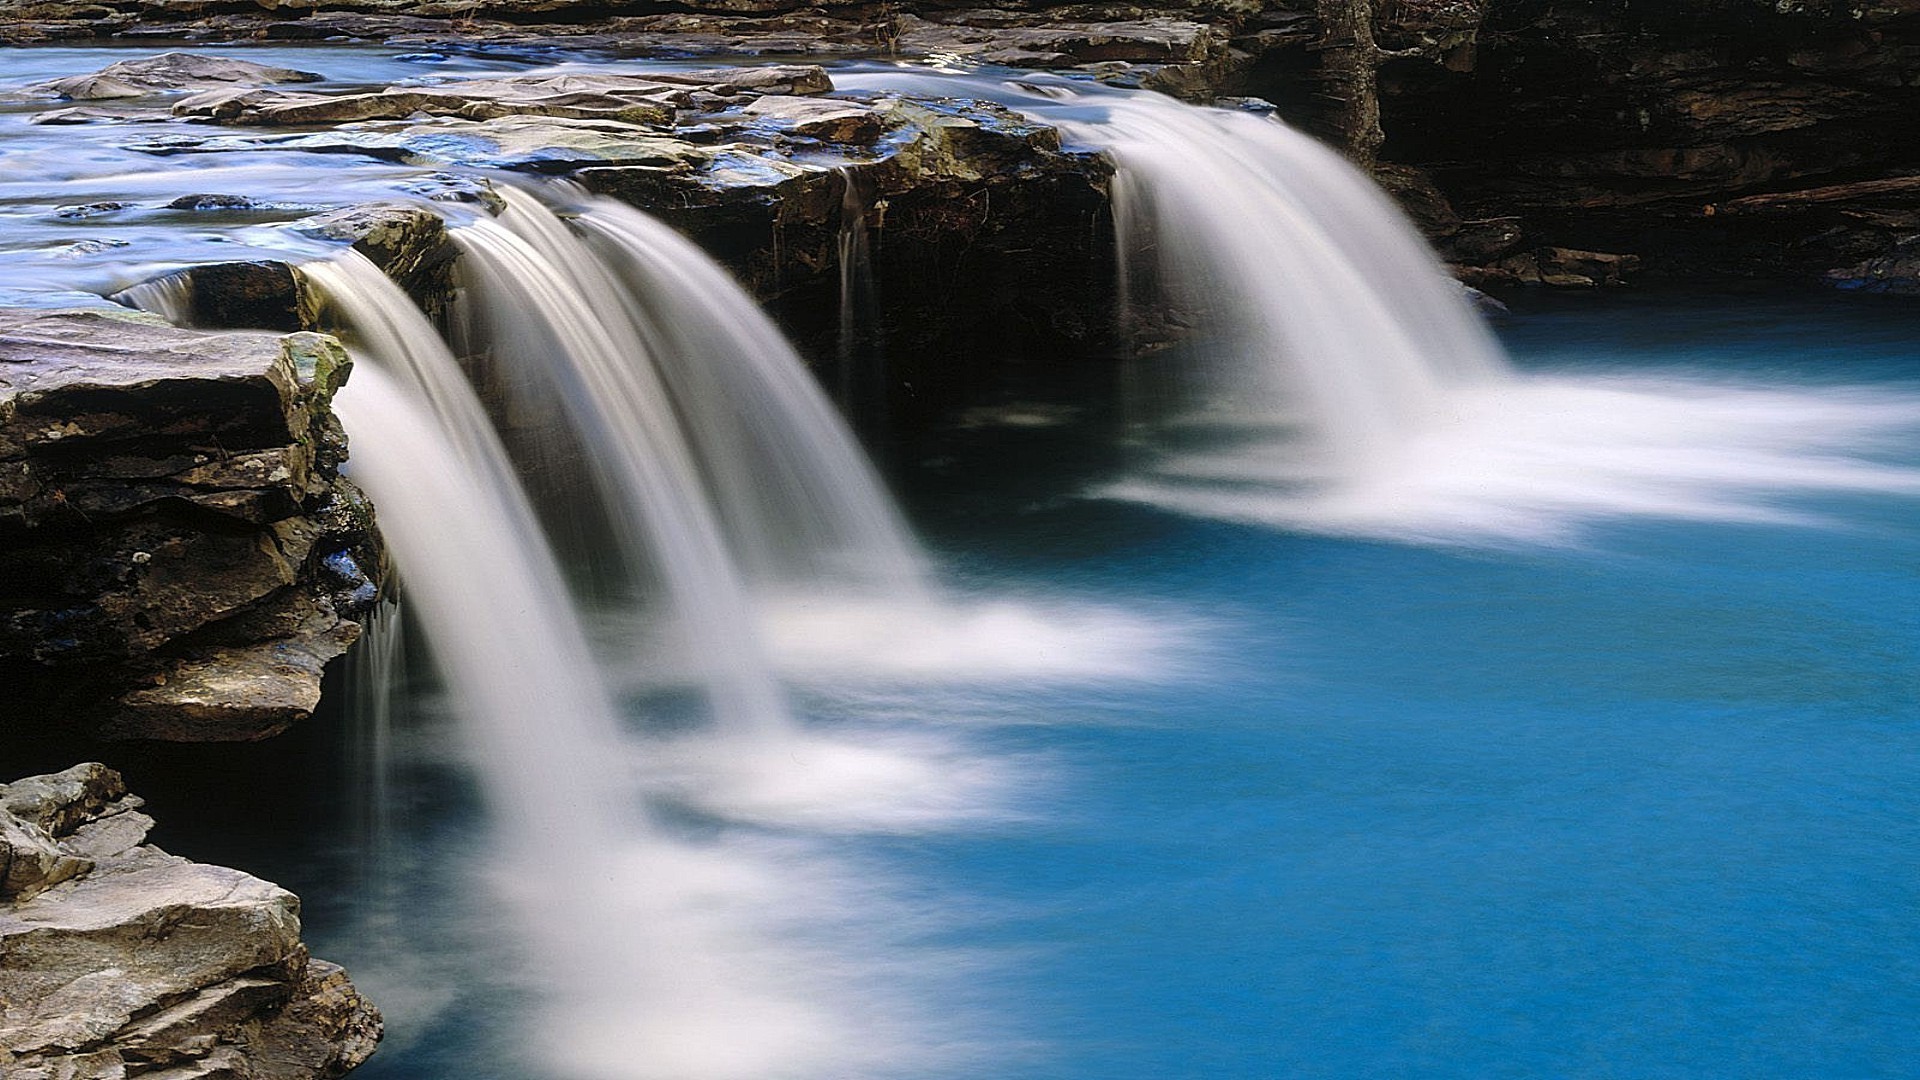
[170,297]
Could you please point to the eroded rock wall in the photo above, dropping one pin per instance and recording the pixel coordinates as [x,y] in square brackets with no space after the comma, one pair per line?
[1662,129]
[179,557]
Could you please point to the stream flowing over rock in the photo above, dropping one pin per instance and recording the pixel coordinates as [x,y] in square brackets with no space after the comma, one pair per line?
[118,959]
[1510,129]
[184,558]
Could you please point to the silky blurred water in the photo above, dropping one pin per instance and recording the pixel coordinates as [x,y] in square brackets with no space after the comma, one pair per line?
[1306,805]
[1603,770]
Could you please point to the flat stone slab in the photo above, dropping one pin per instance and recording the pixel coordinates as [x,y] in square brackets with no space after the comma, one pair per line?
[140,958]
[72,377]
[167,73]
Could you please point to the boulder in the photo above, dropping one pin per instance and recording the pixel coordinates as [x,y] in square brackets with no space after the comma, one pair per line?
[129,960]
[168,73]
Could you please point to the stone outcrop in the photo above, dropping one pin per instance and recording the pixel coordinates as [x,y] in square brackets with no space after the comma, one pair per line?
[165,74]
[118,959]
[183,557]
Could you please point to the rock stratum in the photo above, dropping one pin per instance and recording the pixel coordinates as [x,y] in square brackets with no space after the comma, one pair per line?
[120,961]
[182,556]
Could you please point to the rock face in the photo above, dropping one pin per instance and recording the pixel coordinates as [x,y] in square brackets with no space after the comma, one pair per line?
[183,558]
[118,959]
[1728,136]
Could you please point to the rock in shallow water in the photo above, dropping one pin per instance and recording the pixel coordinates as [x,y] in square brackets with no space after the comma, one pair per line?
[166,73]
[119,959]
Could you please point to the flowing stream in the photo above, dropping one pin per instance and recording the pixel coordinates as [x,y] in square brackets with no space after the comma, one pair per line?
[1328,696]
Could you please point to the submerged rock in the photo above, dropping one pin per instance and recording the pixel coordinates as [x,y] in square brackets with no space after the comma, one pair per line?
[1896,273]
[118,959]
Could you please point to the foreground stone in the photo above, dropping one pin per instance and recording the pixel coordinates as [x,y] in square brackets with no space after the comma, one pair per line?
[118,959]
[183,558]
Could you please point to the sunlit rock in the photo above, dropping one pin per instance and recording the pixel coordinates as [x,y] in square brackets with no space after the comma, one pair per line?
[118,958]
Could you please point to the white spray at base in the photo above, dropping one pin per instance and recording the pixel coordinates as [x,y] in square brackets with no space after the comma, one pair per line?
[684,905]
[1324,294]
[1336,380]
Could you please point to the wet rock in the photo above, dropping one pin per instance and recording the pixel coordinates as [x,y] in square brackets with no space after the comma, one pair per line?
[80,249]
[167,73]
[1484,241]
[91,210]
[991,36]
[1896,273]
[80,114]
[127,959]
[649,100]
[532,143]
[407,242]
[1558,267]
[161,496]
[213,202]
[816,118]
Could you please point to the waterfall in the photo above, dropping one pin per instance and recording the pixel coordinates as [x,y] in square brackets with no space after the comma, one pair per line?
[1331,378]
[657,953]
[800,501]
[559,320]
[1321,319]
[1326,333]
[462,530]
[169,296]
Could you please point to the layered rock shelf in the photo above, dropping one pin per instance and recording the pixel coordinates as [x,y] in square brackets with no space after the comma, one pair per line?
[183,557]
[119,960]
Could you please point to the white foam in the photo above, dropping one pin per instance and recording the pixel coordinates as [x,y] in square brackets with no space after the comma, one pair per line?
[1542,459]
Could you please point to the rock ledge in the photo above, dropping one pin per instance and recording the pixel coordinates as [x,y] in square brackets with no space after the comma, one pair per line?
[119,960]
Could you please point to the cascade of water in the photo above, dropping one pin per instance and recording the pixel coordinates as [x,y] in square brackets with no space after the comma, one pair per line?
[1321,304]
[552,310]
[659,956]
[460,525]
[1318,308]
[802,505]
[375,672]
[170,297]
[500,627]
[853,254]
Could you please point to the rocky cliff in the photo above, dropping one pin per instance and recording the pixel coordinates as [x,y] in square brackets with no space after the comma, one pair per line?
[118,959]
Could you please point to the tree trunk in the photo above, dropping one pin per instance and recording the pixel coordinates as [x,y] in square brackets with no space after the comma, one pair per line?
[1350,66]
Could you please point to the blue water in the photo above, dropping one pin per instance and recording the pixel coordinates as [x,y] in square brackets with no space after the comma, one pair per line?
[1643,804]
[1645,808]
